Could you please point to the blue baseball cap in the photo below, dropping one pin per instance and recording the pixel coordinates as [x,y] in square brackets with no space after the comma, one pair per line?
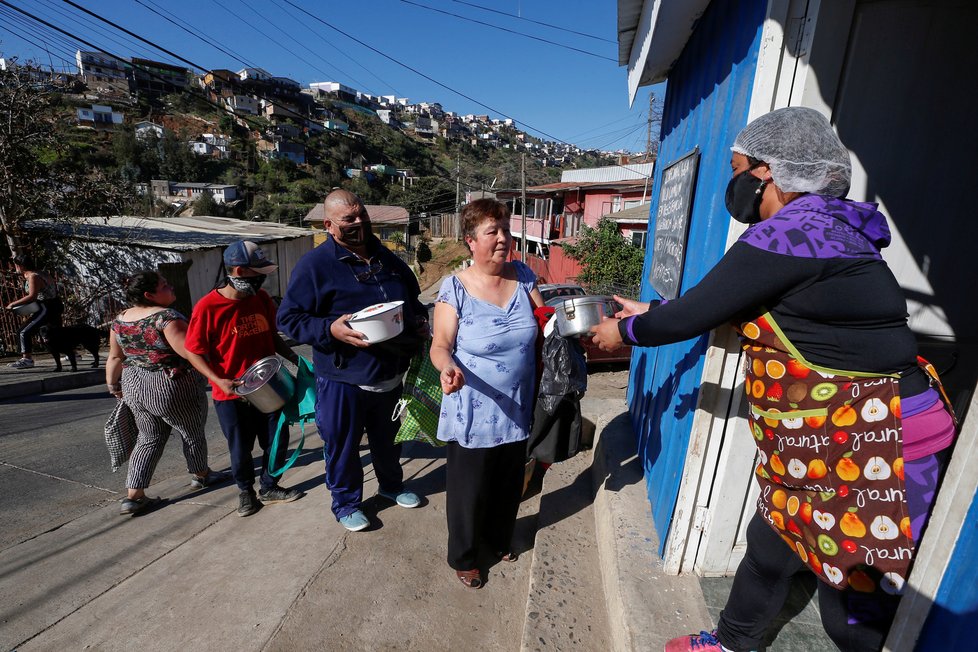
[245,253]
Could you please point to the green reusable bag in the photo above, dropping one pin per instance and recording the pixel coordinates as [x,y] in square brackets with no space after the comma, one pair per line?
[420,402]
[299,409]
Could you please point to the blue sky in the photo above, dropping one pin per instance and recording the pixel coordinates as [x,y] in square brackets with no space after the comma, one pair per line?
[558,92]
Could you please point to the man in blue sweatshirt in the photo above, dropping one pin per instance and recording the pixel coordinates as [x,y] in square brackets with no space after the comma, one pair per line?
[358,384]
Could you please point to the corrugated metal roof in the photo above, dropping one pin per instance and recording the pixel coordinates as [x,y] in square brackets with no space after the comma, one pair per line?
[171,233]
[562,186]
[610,173]
[379,214]
[638,213]
[652,35]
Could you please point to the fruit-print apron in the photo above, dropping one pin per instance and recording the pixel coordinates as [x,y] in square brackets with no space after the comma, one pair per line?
[831,462]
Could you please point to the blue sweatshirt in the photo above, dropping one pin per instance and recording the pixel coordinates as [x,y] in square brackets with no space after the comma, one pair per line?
[331,281]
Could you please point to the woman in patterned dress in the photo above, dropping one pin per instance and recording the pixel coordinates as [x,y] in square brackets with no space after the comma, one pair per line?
[483,345]
[147,370]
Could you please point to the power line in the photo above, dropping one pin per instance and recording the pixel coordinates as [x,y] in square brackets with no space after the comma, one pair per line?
[262,33]
[536,22]
[41,46]
[126,42]
[511,31]
[384,82]
[434,81]
[46,40]
[210,42]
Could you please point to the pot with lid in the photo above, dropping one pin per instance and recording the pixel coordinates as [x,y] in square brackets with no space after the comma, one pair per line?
[379,322]
[576,315]
[267,384]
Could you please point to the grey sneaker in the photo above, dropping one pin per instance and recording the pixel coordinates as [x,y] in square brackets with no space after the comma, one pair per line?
[212,477]
[277,494]
[248,503]
[136,506]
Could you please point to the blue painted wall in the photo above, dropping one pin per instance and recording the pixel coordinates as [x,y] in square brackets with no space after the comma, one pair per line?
[706,105]
[953,617]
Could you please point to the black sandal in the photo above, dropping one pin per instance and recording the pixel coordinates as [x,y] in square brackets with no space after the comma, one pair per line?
[508,557]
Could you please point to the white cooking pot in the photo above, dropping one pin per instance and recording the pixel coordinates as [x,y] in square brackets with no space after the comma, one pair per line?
[25,309]
[267,385]
[379,322]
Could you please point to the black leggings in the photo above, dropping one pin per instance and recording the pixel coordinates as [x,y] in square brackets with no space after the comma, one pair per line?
[856,622]
[49,314]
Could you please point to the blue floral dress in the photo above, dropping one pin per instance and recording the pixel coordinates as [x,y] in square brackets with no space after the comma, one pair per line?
[495,350]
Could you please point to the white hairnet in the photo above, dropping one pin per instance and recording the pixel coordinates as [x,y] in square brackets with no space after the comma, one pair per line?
[802,150]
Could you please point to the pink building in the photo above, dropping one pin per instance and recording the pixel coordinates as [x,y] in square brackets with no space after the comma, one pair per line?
[556,211]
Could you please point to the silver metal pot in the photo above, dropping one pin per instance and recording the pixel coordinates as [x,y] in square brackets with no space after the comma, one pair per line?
[576,315]
[267,384]
[25,309]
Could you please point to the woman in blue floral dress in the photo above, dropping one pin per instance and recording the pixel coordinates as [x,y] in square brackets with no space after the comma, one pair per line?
[484,337]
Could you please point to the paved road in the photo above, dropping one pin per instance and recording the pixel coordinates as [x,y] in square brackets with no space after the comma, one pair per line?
[54,466]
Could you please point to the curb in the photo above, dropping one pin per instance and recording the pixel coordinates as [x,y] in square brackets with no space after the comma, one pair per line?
[57,382]
[646,607]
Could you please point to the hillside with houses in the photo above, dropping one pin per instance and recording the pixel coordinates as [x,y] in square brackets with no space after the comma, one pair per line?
[255,145]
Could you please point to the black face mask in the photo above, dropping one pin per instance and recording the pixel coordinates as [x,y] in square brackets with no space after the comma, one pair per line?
[247,284]
[357,234]
[743,197]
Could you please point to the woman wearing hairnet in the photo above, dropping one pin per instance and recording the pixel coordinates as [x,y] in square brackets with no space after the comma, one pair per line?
[852,433]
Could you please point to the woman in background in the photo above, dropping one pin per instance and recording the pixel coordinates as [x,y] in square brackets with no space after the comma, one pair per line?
[42,288]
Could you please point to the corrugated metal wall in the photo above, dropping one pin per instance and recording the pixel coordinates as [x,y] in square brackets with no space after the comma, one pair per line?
[706,104]
[609,173]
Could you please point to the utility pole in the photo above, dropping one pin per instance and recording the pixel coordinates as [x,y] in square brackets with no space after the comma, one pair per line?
[648,140]
[458,193]
[523,211]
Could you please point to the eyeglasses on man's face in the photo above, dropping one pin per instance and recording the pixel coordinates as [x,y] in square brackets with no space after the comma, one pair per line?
[372,270]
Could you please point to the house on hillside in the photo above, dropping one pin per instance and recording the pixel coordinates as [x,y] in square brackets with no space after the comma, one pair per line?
[147,130]
[254,74]
[98,116]
[102,71]
[155,78]
[170,191]
[282,150]
[241,104]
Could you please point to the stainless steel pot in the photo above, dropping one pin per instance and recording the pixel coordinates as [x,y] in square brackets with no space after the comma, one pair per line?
[25,309]
[267,384]
[576,315]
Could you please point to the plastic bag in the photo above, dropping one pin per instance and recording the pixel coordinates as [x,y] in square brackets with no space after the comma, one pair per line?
[120,434]
[420,403]
[299,409]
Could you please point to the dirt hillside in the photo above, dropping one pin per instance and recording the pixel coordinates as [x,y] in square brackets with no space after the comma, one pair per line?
[445,256]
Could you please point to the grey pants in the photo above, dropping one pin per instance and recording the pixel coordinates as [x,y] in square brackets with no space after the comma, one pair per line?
[160,404]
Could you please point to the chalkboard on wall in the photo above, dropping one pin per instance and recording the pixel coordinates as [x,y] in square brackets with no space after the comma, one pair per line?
[672,224]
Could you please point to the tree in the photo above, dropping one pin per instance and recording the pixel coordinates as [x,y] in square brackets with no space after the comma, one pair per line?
[606,258]
[39,178]
[205,204]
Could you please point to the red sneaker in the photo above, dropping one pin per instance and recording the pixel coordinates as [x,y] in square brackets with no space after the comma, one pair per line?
[702,642]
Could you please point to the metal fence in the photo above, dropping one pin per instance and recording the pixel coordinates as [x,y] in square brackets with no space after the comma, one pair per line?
[85,305]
